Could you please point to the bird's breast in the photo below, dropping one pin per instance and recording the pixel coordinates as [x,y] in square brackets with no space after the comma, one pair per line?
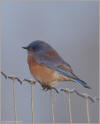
[40,72]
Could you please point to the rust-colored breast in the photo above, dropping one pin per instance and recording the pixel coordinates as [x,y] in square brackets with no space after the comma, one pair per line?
[42,73]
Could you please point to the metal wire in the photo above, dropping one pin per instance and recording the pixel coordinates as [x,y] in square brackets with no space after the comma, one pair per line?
[68,91]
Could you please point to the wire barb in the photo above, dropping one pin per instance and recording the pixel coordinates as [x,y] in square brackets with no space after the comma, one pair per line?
[5,76]
[29,81]
[15,78]
[68,90]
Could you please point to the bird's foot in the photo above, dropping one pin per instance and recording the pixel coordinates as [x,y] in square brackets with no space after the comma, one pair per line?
[54,89]
[46,88]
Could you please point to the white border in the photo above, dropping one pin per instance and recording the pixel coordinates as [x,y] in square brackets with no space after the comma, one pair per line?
[1,38]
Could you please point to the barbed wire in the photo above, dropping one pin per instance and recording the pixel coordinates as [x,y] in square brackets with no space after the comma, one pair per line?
[83,95]
[15,78]
[67,90]
[29,81]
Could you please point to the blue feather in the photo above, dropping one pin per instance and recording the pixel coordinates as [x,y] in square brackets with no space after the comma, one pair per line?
[66,73]
[69,74]
[81,82]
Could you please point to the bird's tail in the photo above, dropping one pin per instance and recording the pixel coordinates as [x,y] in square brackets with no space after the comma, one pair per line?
[82,83]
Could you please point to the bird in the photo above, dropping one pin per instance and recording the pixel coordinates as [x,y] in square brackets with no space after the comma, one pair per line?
[48,67]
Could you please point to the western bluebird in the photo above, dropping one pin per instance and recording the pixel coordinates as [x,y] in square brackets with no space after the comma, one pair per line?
[47,67]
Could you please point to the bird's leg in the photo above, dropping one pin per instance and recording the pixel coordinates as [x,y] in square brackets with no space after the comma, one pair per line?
[45,87]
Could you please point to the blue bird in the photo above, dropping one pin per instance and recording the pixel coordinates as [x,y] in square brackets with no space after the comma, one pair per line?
[47,67]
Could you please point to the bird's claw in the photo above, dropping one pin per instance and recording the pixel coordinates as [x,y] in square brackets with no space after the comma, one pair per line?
[55,89]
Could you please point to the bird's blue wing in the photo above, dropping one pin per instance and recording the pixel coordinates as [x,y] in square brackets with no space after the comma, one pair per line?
[56,63]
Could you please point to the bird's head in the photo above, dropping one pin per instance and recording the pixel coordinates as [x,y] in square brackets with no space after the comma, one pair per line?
[37,46]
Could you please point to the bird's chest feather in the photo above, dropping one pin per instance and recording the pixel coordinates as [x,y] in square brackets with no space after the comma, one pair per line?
[41,72]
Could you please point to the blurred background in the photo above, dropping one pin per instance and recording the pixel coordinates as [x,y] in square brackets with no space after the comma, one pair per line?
[72,29]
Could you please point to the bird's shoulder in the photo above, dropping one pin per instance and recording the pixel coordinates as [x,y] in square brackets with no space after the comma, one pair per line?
[51,53]
[62,64]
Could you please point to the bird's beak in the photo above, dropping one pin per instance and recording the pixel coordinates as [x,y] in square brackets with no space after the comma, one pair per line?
[25,48]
